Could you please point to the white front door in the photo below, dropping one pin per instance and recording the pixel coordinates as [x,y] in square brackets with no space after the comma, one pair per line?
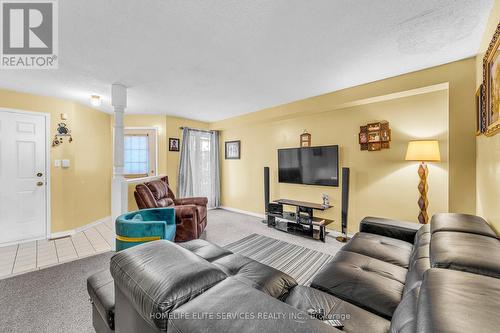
[23,176]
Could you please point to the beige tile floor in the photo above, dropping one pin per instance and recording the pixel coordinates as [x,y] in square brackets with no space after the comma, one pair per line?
[26,257]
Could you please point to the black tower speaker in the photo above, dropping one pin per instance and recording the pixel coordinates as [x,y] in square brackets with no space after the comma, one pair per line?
[266,188]
[345,204]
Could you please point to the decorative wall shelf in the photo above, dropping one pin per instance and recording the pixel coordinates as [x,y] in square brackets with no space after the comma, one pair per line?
[375,136]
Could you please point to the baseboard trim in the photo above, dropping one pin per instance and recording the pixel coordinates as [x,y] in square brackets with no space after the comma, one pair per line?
[21,242]
[62,234]
[93,224]
[71,232]
[236,210]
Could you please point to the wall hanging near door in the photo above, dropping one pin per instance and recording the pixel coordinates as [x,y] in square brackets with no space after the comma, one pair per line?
[305,139]
[62,133]
[375,136]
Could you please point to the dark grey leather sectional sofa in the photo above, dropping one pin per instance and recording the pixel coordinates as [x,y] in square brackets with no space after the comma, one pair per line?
[391,277]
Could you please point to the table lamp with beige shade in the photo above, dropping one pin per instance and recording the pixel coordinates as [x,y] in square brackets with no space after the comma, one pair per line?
[423,151]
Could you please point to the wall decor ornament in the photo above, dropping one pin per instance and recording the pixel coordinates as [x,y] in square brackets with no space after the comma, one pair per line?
[173,144]
[232,150]
[491,86]
[375,136]
[305,139]
[62,132]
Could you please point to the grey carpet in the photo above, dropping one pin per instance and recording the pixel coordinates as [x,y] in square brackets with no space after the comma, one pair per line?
[299,262]
[51,300]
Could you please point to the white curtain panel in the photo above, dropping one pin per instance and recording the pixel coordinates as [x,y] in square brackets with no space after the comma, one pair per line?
[199,169]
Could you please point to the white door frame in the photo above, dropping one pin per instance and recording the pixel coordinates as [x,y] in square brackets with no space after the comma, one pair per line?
[48,145]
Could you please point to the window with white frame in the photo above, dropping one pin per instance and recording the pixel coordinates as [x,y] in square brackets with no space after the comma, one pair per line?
[140,152]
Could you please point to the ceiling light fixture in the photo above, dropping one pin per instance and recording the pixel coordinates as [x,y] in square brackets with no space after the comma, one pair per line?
[95,100]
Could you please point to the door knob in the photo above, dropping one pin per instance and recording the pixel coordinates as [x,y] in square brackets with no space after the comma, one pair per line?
[39,174]
[39,184]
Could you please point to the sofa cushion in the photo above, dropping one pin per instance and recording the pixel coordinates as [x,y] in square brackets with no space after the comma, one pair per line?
[461,223]
[158,188]
[232,306]
[159,276]
[416,272]
[164,202]
[404,319]
[384,248]
[372,284]
[454,301]
[259,276]
[466,252]
[101,290]
[354,318]
[206,250]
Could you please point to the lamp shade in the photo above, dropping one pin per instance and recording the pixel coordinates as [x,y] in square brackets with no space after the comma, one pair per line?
[423,151]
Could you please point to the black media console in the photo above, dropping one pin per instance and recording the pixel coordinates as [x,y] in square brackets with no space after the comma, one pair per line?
[301,222]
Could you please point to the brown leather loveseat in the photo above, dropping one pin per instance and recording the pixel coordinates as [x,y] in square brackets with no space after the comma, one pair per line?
[190,213]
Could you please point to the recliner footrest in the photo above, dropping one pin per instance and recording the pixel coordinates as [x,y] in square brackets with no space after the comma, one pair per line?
[101,289]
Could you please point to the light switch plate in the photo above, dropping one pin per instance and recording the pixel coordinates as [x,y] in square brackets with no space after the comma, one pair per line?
[65,163]
[57,163]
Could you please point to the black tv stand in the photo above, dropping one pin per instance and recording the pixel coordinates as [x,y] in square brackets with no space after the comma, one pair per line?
[301,222]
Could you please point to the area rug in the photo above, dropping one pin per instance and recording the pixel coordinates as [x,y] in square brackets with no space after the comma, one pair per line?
[51,300]
[299,262]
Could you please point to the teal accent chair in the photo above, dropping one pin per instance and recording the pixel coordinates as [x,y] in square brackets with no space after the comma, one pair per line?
[143,226]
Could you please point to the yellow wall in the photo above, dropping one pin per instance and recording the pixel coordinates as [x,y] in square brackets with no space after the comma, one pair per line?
[168,161]
[460,77]
[382,183]
[488,148]
[80,194]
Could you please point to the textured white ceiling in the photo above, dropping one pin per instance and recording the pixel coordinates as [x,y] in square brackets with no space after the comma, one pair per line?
[214,59]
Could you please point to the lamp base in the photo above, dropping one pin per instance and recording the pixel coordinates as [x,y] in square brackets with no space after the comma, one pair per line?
[342,239]
[423,203]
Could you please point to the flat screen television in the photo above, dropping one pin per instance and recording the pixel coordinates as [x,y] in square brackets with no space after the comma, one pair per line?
[309,165]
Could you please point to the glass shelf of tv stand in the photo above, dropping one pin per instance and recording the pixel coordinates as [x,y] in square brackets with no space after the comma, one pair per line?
[303,226]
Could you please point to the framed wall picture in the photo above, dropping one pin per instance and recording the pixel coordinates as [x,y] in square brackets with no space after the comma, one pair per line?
[232,150]
[374,136]
[363,138]
[385,135]
[374,146]
[491,86]
[373,127]
[173,144]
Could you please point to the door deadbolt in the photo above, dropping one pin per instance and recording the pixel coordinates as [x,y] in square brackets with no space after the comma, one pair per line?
[39,184]
[39,174]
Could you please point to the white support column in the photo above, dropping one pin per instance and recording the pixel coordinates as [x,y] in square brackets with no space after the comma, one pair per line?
[119,188]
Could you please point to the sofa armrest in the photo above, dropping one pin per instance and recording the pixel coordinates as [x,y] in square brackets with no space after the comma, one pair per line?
[158,277]
[401,230]
[198,201]
[185,211]
[147,228]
